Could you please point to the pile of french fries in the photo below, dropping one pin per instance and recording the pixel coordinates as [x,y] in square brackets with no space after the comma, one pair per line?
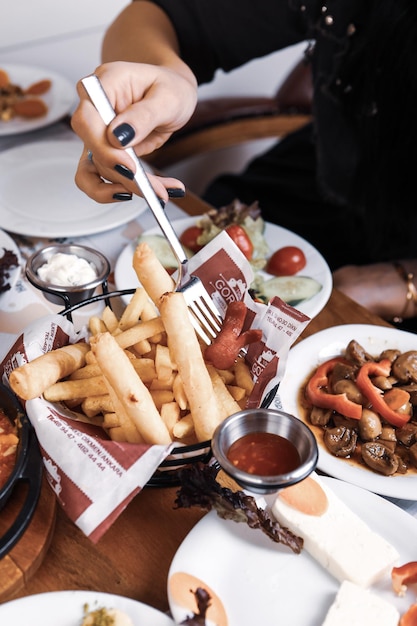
[142,376]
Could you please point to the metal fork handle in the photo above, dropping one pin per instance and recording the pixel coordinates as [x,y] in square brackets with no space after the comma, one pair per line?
[101,102]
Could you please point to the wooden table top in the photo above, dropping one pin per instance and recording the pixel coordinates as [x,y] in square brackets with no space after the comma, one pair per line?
[133,557]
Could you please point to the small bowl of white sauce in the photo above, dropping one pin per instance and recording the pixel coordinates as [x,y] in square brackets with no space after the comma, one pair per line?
[67,273]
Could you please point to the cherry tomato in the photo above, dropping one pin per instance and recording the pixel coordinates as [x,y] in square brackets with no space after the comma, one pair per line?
[241,239]
[286,261]
[189,238]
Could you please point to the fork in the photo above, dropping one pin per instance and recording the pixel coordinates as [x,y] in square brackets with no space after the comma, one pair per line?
[204,314]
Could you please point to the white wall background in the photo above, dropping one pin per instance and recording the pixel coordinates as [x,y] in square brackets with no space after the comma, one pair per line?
[66,38]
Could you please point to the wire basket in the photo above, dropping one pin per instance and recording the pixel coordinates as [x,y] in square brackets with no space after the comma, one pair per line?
[167,474]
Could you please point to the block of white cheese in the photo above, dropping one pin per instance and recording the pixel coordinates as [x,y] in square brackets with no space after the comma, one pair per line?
[338,539]
[356,606]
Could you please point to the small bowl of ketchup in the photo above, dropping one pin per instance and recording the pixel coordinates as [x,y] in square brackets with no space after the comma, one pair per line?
[265,450]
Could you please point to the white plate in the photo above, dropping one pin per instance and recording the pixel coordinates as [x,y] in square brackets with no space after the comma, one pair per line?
[39,197]
[306,356]
[59,99]
[260,582]
[65,608]
[7,243]
[276,237]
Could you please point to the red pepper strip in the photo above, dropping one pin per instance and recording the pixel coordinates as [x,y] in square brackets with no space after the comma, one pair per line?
[410,617]
[337,402]
[375,395]
[402,576]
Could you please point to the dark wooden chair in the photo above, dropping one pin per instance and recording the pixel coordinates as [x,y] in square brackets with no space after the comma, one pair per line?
[223,122]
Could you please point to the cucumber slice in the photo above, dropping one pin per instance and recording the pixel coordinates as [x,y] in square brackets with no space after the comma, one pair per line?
[162,249]
[291,289]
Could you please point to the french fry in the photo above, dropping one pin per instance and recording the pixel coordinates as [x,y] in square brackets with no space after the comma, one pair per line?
[139,332]
[69,389]
[184,428]
[163,363]
[243,375]
[170,413]
[164,384]
[183,343]
[142,347]
[132,394]
[126,428]
[31,379]
[96,325]
[145,369]
[238,393]
[133,312]
[134,308]
[161,397]
[150,272]
[148,313]
[110,420]
[90,358]
[179,393]
[93,405]
[92,369]
[227,376]
[119,433]
[73,402]
[227,404]
[110,320]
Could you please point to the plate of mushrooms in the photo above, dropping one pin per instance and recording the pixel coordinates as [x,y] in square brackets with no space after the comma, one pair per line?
[355,386]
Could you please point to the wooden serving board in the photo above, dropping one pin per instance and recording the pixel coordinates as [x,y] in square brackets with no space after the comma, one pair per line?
[17,567]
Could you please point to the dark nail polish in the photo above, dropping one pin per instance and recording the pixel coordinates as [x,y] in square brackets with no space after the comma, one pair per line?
[176,192]
[124,171]
[162,202]
[122,196]
[124,133]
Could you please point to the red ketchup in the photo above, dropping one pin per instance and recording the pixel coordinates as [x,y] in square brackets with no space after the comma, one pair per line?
[264,454]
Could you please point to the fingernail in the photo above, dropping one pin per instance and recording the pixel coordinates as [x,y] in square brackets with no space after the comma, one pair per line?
[162,202]
[176,192]
[122,196]
[124,133]
[124,171]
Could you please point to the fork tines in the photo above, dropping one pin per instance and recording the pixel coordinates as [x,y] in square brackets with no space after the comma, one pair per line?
[204,314]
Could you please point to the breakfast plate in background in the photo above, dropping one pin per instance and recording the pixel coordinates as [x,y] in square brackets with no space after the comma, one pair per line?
[275,236]
[39,197]
[66,608]
[8,276]
[261,582]
[59,99]
[304,357]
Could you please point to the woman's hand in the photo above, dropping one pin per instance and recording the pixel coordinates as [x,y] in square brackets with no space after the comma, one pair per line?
[377,287]
[150,103]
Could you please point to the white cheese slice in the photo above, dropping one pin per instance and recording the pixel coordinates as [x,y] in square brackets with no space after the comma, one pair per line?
[356,606]
[339,540]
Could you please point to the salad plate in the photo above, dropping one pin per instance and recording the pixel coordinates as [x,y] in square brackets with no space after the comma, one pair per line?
[66,608]
[49,204]
[275,236]
[59,99]
[304,357]
[261,582]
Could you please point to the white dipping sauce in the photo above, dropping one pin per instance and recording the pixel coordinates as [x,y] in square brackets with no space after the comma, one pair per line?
[67,270]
